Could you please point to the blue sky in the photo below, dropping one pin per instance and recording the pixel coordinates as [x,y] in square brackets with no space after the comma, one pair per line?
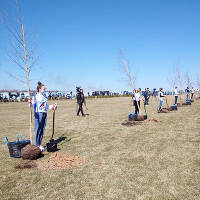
[79,42]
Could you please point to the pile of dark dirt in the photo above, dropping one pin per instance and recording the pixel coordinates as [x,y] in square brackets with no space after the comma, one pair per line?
[131,123]
[31,152]
[26,164]
[60,161]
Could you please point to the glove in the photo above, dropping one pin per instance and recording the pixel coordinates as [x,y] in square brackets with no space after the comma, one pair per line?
[54,108]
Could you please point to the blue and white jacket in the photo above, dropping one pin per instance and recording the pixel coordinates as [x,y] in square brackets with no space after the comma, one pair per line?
[40,103]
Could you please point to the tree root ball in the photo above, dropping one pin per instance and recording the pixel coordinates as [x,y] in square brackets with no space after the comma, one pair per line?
[30,152]
[163,110]
[141,118]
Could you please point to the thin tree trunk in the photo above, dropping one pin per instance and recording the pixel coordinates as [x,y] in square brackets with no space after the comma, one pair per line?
[27,77]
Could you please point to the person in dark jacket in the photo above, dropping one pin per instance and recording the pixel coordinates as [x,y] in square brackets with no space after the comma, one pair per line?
[187,92]
[80,102]
[146,96]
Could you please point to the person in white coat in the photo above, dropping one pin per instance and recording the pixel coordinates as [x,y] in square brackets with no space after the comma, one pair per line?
[176,94]
[136,100]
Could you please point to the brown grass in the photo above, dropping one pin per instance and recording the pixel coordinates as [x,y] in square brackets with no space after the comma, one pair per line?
[158,161]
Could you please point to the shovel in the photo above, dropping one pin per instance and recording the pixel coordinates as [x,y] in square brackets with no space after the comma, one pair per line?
[52,144]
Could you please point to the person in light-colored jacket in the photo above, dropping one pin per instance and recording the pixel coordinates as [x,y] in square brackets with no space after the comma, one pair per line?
[40,104]
[176,94]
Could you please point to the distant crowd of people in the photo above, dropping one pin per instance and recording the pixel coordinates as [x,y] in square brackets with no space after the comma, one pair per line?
[137,97]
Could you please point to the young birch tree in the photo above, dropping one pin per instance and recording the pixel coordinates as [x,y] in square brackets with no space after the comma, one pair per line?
[20,50]
[180,81]
[126,67]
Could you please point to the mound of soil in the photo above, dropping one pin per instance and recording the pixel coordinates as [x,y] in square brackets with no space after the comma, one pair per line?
[131,123]
[26,164]
[30,152]
[60,161]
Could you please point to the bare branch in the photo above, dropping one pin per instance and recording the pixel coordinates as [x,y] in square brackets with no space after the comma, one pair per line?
[15,61]
[15,77]
[187,80]
[125,64]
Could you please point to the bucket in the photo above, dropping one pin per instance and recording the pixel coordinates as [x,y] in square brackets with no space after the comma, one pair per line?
[132,117]
[15,147]
[174,107]
[188,102]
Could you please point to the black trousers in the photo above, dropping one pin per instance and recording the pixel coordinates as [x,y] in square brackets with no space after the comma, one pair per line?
[80,109]
[137,105]
[176,98]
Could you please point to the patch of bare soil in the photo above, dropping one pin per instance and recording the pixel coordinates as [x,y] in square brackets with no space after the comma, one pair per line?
[131,123]
[60,161]
[26,164]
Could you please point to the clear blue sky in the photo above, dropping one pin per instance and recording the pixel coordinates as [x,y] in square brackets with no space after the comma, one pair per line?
[79,42]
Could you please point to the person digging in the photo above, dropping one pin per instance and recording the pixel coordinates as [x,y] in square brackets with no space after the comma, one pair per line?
[136,101]
[40,104]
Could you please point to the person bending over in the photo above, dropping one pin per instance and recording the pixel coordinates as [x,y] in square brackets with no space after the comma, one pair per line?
[136,100]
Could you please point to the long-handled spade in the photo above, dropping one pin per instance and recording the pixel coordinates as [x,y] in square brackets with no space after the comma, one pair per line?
[52,145]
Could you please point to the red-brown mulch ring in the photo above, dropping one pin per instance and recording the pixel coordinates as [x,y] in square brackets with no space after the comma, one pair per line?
[26,164]
[59,161]
[131,123]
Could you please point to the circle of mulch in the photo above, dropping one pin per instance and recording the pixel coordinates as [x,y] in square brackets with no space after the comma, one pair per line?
[59,161]
[26,164]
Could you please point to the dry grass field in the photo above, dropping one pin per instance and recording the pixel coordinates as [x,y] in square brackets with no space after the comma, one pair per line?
[149,161]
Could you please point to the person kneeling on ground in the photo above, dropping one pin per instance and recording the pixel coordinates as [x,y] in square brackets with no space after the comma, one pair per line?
[160,97]
[136,101]
[80,102]
[40,103]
